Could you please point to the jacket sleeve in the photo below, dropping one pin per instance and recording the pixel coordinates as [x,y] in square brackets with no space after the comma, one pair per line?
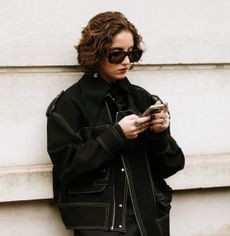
[72,151]
[166,156]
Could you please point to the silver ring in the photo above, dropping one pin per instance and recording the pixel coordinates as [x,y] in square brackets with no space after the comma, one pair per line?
[136,123]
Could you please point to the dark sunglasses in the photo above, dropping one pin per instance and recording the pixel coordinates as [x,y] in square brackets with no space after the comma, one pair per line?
[117,57]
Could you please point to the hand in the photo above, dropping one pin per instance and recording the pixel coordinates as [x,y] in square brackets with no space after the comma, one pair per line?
[133,125]
[160,121]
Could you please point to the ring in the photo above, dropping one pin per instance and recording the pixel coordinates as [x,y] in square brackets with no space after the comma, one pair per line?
[136,123]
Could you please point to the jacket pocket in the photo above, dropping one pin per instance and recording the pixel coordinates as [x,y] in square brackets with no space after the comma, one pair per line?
[87,189]
[84,215]
[97,185]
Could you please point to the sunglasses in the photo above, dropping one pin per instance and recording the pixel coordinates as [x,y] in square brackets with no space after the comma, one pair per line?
[117,57]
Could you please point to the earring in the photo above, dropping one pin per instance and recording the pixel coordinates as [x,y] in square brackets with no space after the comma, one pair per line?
[95,75]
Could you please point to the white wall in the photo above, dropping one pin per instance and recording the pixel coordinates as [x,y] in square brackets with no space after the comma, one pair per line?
[31,218]
[187,63]
[201,213]
[43,32]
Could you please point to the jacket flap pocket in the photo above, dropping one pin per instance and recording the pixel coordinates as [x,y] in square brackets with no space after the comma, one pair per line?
[97,220]
[87,189]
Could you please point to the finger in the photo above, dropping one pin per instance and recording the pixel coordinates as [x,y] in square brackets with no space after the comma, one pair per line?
[158,102]
[141,121]
[144,119]
[142,130]
[164,122]
[160,117]
[157,121]
[137,123]
[144,126]
[166,107]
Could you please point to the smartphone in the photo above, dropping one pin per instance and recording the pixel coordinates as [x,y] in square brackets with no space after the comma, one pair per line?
[153,109]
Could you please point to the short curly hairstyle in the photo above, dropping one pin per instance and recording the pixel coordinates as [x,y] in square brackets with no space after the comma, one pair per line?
[97,38]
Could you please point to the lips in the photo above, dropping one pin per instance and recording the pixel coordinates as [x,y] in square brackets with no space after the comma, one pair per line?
[124,70]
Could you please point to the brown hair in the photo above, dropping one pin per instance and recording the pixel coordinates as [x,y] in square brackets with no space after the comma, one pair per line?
[97,38]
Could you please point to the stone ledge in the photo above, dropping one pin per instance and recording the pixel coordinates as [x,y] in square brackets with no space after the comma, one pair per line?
[25,183]
[204,171]
[35,182]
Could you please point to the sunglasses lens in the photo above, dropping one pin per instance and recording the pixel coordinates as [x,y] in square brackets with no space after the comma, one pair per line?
[118,57]
[135,55]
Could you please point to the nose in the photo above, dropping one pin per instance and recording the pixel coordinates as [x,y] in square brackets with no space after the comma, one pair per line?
[126,60]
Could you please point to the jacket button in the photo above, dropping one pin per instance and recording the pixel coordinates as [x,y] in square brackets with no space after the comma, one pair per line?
[122,169]
[120,226]
[120,205]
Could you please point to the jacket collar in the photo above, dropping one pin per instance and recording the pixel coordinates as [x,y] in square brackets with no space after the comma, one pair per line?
[94,91]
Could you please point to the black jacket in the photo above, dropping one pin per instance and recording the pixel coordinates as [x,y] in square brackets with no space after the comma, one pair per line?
[95,166]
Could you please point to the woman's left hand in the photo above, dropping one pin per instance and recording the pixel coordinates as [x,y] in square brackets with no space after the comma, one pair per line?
[160,121]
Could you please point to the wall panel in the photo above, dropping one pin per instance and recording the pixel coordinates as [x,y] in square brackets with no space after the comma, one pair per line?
[44,32]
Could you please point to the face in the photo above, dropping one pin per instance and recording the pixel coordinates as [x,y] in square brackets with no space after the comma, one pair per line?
[113,72]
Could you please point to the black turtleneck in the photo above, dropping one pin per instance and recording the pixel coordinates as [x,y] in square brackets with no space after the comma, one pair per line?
[116,99]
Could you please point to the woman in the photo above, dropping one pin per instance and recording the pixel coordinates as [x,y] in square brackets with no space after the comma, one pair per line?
[109,161]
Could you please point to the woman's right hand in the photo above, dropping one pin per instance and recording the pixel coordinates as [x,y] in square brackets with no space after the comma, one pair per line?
[133,125]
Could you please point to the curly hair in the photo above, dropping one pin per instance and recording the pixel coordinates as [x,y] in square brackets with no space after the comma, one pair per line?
[97,38]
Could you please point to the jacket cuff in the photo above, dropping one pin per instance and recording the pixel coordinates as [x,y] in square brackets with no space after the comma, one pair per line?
[113,141]
[159,142]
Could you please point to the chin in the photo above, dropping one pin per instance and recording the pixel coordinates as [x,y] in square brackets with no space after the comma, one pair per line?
[120,78]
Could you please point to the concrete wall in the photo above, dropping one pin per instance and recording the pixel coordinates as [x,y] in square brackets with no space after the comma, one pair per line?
[186,63]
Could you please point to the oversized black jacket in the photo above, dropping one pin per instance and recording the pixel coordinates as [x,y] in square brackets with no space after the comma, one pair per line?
[95,167]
